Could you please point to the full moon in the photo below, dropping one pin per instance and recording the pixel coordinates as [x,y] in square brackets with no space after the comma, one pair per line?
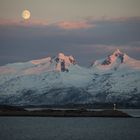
[26,14]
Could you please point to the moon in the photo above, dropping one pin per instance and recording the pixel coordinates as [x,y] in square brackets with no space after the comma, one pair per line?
[26,14]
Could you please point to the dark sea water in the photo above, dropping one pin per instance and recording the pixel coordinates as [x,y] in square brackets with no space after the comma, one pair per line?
[79,128]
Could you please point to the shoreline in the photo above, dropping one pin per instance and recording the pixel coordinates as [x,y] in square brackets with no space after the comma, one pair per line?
[65,113]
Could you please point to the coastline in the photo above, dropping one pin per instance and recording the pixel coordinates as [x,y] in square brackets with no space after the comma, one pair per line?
[63,113]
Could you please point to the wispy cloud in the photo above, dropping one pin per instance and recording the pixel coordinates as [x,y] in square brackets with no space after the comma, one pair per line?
[88,22]
[111,19]
[9,22]
[74,25]
[68,25]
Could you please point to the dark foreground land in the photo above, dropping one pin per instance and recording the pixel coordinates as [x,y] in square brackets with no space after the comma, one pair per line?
[16,111]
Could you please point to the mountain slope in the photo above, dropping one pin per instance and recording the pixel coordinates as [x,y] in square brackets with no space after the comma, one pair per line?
[37,77]
[59,80]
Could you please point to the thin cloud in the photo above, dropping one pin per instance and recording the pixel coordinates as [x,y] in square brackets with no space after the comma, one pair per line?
[94,19]
[8,22]
[74,25]
[67,25]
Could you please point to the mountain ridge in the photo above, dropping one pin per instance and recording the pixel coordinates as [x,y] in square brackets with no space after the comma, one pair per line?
[60,80]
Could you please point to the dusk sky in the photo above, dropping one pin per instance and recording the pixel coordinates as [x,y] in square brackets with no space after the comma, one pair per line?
[86,29]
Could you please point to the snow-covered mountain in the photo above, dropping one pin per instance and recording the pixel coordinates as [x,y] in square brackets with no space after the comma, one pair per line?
[60,80]
[118,77]
[117,61]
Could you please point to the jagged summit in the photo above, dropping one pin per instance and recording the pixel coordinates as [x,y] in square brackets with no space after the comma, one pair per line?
[67,59]
[117,60]
[63,62]
[117,55]
[117,51]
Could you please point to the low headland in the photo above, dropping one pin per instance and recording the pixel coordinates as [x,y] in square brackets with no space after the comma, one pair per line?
[82,112]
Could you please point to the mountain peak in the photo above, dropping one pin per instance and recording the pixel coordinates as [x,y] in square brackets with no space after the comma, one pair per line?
[117,52]
[116,60]
[63,62]
[116,57]
[67,59]
[61,55]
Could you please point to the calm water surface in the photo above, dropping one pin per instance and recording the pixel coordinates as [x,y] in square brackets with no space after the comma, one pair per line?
[49,128]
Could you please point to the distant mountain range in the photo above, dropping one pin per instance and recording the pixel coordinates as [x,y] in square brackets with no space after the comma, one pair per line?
[60,80]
